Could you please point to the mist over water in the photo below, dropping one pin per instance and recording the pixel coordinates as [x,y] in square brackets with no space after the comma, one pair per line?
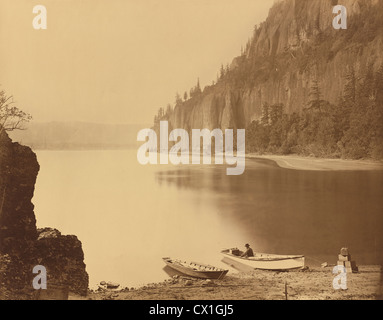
[129,216]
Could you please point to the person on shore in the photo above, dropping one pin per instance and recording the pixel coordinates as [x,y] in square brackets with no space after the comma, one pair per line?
[248,253]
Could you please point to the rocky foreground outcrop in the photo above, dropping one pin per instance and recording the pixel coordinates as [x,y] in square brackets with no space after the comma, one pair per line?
[22,245]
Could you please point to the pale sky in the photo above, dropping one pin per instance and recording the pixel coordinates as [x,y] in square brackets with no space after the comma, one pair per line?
[117,61]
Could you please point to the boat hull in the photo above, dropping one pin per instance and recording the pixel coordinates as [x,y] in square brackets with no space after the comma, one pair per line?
[264,262]
[191,270]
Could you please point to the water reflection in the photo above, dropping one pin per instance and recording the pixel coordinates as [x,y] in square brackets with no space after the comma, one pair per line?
[295,212]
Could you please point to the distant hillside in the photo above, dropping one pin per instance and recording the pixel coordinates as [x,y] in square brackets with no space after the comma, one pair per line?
[299,86]
[294,47]
[78,135]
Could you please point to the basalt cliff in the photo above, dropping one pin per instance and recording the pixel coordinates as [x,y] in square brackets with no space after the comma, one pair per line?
[296,45]
[22,245]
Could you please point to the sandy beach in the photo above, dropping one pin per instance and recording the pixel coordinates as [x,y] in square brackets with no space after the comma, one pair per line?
[319,164]
[311,284]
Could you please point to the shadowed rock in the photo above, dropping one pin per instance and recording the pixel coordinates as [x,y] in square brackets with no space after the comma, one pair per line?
[22,246]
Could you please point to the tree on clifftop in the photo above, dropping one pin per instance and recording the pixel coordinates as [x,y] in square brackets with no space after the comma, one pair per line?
[11,117]
[178,99]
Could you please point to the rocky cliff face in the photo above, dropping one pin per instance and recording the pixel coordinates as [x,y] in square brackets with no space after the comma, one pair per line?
[22,246]
[18,168]
[295,46]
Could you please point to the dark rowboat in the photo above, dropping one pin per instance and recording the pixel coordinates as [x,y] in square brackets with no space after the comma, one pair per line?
[196,270]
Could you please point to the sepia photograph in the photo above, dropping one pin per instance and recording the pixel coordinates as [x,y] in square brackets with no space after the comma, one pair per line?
[182,151]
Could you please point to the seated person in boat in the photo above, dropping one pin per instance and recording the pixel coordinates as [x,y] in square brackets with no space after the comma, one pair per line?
[248,253]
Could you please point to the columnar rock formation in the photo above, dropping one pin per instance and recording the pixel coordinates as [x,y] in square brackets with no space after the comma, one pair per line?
[295,46]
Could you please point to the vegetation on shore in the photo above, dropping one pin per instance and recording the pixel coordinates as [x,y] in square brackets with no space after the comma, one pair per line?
[11,117]
[353,128]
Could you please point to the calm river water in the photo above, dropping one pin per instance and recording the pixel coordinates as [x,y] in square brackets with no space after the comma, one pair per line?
[129,216]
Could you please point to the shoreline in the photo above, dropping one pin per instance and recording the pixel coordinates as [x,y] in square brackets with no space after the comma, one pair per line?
[296,162]
[293,162]
[309,284]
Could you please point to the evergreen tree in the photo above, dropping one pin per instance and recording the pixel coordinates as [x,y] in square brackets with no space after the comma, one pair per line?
[161,113]
[169,109]
[222,72]
[198,88]
[376,126]
[227,69]
[265,120]
[350,87]
[379,85]
[366,91]
[196,91]
[178,99]
[315,101]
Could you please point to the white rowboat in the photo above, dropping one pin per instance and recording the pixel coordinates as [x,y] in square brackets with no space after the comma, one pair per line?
[262,261]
